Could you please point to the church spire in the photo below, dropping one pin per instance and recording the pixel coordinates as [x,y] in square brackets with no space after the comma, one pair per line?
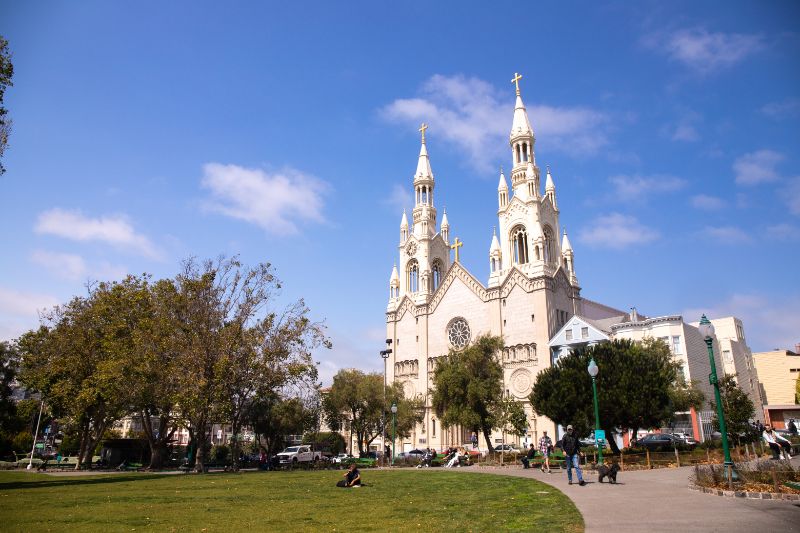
[445,229]
[403,227]
[424,213]
[550,188]
[521,139]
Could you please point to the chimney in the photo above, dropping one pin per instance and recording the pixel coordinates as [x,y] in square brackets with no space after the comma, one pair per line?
[634,315]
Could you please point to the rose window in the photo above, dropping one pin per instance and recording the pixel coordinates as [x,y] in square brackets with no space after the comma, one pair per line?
[458,333]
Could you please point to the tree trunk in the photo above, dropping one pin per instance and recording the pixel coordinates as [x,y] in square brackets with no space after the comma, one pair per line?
[613,443]
[201,441]
[487,434]
[82,446]
[235,445]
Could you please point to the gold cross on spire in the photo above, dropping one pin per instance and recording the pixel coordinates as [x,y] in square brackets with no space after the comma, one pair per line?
[515,81]
[455,246]
[422,129]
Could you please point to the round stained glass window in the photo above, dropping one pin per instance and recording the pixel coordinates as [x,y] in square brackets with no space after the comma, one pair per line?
[458,333]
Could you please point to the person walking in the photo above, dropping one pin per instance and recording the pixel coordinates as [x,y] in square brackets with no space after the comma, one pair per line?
[572,456]
[526,459]
[545,448]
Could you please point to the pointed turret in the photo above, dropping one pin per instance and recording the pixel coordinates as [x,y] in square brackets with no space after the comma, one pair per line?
[521,124]
[424,171]
[548,184]
[403,227]
[445,230]
[394,283]
[495,260]
[566,246]
[502,190]
[569,258]
[550,189]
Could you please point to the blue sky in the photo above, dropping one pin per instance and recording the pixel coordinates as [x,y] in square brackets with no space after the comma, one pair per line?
[147,133]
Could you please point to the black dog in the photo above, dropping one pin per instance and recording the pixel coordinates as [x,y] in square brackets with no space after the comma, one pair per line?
[610,472]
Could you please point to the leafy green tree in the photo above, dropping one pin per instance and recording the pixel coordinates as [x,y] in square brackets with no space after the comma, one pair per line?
[355,401]
[326,440]
[633,387]
[738,409]
[512,418]
[468,387]
[9,362]
[81,359]
[797,390]
[683,397]
[6,73]
[273,417]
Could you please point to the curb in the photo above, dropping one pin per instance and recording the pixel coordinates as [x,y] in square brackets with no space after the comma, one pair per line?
[745,494]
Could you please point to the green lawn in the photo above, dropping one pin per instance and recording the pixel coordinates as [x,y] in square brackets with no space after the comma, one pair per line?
[403,500]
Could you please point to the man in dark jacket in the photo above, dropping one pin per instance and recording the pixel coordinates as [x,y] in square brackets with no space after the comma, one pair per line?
[526,459]
[572,456]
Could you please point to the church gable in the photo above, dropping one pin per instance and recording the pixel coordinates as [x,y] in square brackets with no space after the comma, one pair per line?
[457,272]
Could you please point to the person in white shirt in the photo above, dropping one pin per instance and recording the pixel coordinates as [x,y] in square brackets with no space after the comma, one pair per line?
[779,445]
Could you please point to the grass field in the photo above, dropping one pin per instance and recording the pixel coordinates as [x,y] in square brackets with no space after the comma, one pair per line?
[403,500]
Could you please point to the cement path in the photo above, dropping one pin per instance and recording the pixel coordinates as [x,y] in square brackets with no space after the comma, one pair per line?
[659,500]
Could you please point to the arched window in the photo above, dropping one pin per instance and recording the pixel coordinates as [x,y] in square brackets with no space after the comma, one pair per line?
[412,277]
[549,245]
[519,244]
[436,274]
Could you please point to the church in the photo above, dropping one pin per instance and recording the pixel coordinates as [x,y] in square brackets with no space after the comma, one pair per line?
[532,290]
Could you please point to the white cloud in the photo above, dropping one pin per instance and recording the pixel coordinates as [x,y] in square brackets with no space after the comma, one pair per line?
[685,127]
[19,311]
[726,234]
[784,109]
[704,201]
[616,231]
[784,232]
[399,197]
[115,230]
[347,353]
[74,268]
[638,188]
[474,116]
[685,132]
[757,167]
[791,195]
[705,51]
[276,202]
[768,323]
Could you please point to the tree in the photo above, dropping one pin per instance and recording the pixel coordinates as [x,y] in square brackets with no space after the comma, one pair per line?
[217,302]
[273,417]
[683,397]
[81,359]
[513,418]
[797,390]
[6,73]
[275,354]
[738,409]
[9,362]
[355,401]
[468,387]
[633,387]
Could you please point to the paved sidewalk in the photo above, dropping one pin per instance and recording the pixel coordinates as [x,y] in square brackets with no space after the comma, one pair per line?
[659,500]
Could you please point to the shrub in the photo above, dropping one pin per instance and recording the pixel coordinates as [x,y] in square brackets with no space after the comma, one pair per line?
[219,453]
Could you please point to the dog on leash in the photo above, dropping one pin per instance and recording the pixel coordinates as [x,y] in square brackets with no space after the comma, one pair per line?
[608,471]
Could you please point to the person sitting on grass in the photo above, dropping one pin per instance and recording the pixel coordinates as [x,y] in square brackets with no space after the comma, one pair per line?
[352,478]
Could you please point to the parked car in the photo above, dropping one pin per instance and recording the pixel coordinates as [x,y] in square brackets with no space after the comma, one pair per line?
[506,448]
[338,458]
[415,453]
[298,454]
[662,442]
[688,439]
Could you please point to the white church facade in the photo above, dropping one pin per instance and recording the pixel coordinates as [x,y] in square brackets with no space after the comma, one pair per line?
[532,289]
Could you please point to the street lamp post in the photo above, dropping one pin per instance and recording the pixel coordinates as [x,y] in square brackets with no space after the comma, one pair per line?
[707,331]
[385,354]
[394,428]
[593,371]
